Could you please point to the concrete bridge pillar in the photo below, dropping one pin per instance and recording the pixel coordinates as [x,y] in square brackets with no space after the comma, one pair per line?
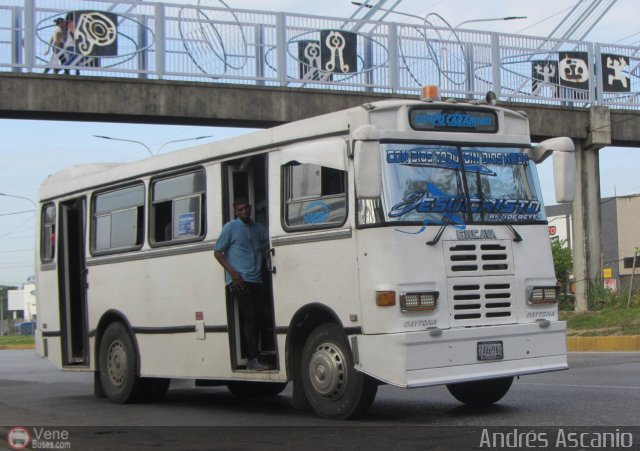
[587,248]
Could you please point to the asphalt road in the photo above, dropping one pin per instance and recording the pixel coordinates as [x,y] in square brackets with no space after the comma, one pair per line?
[601,392]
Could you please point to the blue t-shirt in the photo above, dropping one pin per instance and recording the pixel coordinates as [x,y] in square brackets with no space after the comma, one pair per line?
[242,245]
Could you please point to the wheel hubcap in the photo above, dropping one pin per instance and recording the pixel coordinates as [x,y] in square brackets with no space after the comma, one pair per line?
[117,363]
[328,372]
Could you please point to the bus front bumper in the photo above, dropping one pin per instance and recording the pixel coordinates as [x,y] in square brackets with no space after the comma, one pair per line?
[419,359]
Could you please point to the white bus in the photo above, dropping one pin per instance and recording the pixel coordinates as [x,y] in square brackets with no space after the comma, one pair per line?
[409,246]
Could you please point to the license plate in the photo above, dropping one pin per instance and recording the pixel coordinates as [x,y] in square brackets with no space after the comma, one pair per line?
[490,350]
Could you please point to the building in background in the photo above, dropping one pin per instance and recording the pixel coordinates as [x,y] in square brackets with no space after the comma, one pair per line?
[620,237]
[23,303]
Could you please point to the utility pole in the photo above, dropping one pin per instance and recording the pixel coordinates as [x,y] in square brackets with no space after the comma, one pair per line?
[2,313]
[633,271]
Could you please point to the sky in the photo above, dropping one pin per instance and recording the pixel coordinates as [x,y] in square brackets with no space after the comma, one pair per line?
[31,150]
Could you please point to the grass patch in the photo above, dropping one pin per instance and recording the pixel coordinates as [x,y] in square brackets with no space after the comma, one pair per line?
[605,322]
[11,340]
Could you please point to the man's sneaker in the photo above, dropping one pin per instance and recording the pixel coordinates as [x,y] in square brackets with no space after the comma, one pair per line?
[254,365]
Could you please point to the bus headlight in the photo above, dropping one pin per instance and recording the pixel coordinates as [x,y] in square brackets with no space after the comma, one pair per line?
[425,300]
[544,295]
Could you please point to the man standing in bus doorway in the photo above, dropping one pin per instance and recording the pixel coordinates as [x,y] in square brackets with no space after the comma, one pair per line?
[239,250]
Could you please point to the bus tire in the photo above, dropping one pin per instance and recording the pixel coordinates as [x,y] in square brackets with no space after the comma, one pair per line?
[117,364]
[243,389]
[480,393]
[333,387]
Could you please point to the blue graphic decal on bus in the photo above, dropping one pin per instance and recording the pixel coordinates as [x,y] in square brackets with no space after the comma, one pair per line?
[187,224]
[447,159]
[432,200]
[413,201]
[316,213]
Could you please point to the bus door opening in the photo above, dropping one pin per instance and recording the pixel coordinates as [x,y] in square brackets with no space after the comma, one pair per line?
[247,178]
[72,273]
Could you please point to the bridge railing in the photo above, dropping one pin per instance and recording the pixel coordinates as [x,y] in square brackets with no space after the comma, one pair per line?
[221,45]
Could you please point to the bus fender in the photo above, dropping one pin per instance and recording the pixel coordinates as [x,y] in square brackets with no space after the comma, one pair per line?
[303,322]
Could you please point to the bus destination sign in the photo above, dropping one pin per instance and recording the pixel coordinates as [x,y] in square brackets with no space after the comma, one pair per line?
[453,120]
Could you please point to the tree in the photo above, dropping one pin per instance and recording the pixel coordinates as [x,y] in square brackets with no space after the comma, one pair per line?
[562,262]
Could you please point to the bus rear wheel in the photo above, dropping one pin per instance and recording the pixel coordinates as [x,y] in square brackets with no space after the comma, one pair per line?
[480,393]
[331,384]
[118,363]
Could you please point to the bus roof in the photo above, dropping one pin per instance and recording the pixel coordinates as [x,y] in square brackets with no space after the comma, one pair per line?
[81,177]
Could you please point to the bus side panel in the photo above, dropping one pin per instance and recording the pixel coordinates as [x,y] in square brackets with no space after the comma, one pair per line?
[397,259]
[323,272]
[312,266]
[48,334]
[160,297]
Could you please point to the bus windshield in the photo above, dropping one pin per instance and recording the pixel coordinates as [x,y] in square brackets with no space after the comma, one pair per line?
[455,185]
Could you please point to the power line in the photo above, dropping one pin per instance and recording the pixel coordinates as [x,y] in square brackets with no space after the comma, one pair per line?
[545,19]
[626,37]
[17,250]
[14,237]
[19,226]
[17,213]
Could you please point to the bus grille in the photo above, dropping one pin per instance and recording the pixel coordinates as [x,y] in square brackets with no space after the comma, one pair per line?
[481,282]
[477,301]
[478,258]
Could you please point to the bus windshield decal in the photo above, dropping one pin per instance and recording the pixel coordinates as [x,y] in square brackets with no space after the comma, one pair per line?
[422,201]
[432,200]
[453,120]
[454,186]
[450,159]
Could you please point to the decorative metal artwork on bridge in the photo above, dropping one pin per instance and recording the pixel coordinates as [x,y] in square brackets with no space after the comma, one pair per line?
[90,39]
[573,70]
[326,55]
[96,33]
[212,40]
[445,49]
[309,61]
[615,73]
[544,76]
[213,37]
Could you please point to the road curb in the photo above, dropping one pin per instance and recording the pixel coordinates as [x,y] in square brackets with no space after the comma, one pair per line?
[595,344]
[8,347]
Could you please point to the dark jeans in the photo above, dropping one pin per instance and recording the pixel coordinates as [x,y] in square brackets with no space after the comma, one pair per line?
[252,308]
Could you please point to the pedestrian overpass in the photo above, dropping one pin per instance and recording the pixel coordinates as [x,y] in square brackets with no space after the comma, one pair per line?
[134,61]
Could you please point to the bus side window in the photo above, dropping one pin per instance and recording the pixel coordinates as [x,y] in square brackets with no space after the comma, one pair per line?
[177,208]
[162,215]
[118,219]
[315,196]
[48,234]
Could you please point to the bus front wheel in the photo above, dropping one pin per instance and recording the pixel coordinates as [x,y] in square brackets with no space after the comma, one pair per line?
[331,384]
[480,393]
[118,362]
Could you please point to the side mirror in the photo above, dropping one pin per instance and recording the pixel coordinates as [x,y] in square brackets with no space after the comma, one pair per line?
[543,150]
[368,169]
[564,175]
[564,165]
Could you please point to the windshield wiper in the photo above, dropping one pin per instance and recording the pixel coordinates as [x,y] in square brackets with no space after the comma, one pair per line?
[516,236]
[446,221]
